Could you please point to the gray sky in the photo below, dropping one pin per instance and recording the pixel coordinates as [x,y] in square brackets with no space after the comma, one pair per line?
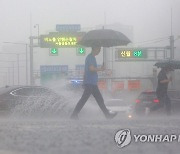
[150,18]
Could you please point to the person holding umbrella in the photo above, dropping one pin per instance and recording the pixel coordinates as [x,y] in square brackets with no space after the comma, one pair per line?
[90,85]
[162,88]
[97,39]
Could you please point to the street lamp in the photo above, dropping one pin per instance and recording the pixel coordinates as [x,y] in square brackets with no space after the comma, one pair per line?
[31,46]
[26,57]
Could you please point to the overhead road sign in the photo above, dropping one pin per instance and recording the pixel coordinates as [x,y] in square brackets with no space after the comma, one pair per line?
[53,52]
[68,27]
[131,53]
[61,40]
[80,51]
[53,68]
[141,54]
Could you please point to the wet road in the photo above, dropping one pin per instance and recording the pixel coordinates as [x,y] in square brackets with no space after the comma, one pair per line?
[85,136]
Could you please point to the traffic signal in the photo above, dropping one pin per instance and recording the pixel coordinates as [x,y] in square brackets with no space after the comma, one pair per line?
[81,51]
[53,52]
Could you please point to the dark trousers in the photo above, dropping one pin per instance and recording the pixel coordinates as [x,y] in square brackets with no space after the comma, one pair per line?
[164,100]
[88,90]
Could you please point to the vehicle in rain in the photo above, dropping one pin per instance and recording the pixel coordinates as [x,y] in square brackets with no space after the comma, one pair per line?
[148,99]
[74,84]
[121,106]
[29,99]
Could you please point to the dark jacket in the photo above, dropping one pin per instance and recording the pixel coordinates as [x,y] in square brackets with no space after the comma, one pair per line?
[162,87]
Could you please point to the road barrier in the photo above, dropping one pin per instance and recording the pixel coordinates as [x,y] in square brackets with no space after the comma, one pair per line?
[117,86]
[134,84]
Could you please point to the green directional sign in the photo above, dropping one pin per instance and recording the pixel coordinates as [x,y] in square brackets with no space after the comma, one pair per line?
[138,53]
[131,53]
[53,51]
[81,51]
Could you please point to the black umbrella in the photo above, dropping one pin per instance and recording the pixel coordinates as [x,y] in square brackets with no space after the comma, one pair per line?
[175,64]
[104,37]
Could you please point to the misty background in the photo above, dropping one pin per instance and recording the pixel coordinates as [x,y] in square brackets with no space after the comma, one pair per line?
[149,21]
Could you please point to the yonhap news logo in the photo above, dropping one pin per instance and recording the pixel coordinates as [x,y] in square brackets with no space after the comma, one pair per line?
[124,137]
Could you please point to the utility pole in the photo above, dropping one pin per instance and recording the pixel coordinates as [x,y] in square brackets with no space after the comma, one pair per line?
[5,78]
[172,57]
[26,64]
[37,25]
[9,76]
[13,73]
[31,61]
[172,51]
[172,47]
[18,66]
[171,39]
[31,46]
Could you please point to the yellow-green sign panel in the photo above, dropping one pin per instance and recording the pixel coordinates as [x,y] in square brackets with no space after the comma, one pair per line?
[60,40]
[131,53]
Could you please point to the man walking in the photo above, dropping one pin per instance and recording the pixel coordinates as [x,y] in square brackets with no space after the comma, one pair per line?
[162,88]
[90,85]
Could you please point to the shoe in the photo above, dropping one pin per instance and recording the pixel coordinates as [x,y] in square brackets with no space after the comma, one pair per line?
[111,114]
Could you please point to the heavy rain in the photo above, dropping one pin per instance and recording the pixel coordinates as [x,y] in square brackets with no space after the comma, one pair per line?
[94,76]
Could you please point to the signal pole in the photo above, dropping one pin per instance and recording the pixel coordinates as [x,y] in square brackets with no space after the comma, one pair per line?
[171,39]
[172,46]
[31,61]
[172,51]
[31,47]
